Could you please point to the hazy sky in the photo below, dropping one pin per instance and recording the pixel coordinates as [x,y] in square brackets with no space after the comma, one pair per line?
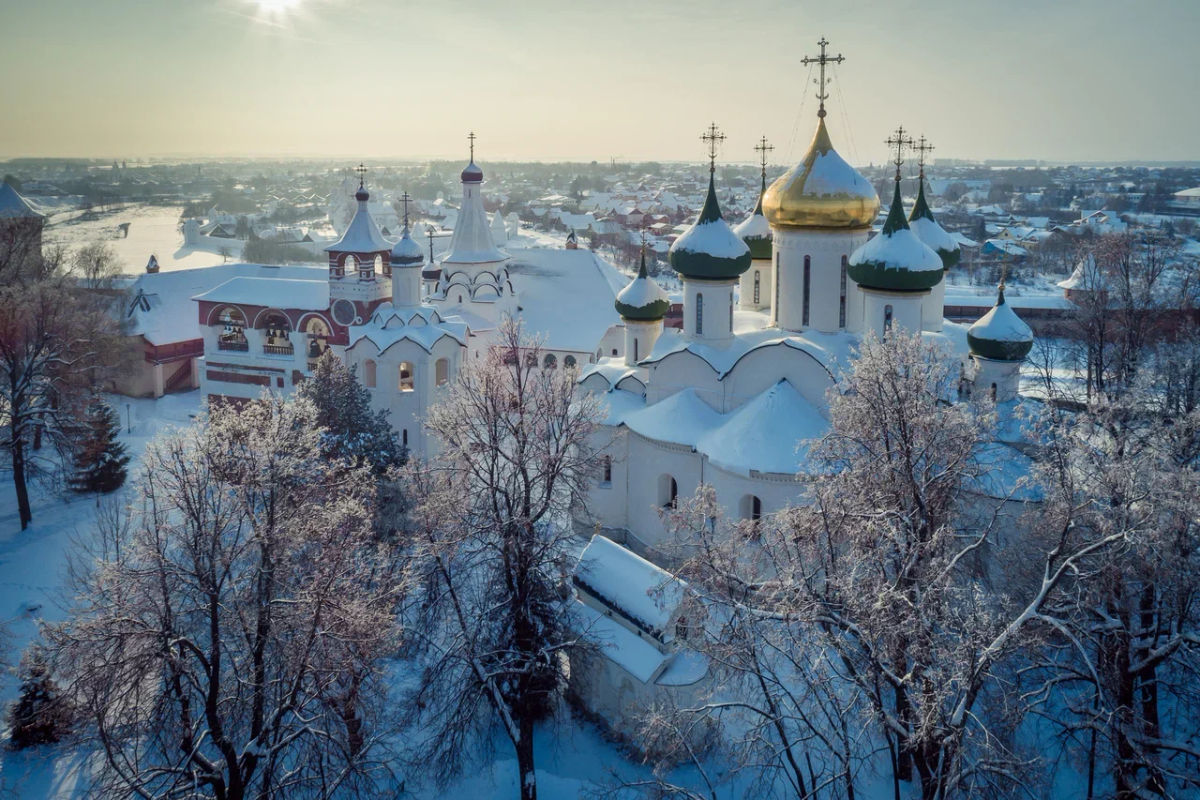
[568,79]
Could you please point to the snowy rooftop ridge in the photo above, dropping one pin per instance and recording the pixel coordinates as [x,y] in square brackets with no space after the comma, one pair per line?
[362,235]
[642,591]
[472,241]
[14,206]
[295,293]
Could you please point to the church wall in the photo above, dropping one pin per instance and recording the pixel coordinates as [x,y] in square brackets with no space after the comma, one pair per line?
[825,250]
[763,267]
[684,370]
[906,310]
[608,503]
[933,310]
[717,314]
[652,461]
[761,369]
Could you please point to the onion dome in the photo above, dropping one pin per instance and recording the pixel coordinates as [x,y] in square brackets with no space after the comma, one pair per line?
[927,229]
[1000,334]
[406,252]
[755,231]
[895,260]
[822,191]
[472,173]
[710,250]
[362,195]
[643,300]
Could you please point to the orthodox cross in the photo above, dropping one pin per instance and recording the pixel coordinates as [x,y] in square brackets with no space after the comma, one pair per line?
[762,148]
[404,198]
[922,147]
[899,140]
[714,137]
[821,61]
[362,174]
[429,232]
[471,141]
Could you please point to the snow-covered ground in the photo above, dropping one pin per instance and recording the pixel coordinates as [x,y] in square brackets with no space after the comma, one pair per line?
[572,757]
[152,230]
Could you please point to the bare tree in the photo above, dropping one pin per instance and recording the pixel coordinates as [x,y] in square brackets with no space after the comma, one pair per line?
[96,265]
[229,631]
[490,538]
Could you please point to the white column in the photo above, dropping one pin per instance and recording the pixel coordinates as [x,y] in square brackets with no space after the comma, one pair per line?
[708,309]
[1005,376]
[763,268]
[824,250]
[640,338]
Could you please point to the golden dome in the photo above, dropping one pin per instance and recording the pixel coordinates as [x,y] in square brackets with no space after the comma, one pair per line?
[822,191]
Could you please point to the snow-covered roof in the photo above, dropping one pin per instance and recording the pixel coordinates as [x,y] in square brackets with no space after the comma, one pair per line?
[472,240]
[640,590]
[899,250]
[1001,324]
[565,295]
[421,325]
[13,205]
[637,656]
[162,309]
[754,226]
[932,234]
[362,234]
[303,295]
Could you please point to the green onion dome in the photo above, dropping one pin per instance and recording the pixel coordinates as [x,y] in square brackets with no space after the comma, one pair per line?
[895,260]
[755,231]
[1000,334]
[643,300]
[710,250]
[927,229]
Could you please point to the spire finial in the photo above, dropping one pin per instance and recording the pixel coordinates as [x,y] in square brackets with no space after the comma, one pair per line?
[922,147]
[362,174]
[642,268]
[901,141]
[762,148]
[404,198]
[821,61]
[429,233]
[714,137]
[471,144]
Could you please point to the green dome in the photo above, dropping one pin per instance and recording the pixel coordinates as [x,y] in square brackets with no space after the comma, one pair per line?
[755,231]
[895,260]
[927,229]
[643,300]
[1000,334]
[710,250]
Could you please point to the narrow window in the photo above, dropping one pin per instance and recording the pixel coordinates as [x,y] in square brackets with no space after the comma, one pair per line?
[699,313]
[731,312]
[608,469]
[404,437]
[756,287]
[681,629]
[842,302]
[668,491]
[635,349]
[993,392]
[441,371]
[778,280]
[369,374]
[807,277]
[405,384]
[887,318]
[755,509]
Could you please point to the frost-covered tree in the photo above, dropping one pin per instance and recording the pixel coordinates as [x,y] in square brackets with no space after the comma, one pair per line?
[229,630]
[100,458]
[351,430]
[874,595]
[489,538]
[41,715]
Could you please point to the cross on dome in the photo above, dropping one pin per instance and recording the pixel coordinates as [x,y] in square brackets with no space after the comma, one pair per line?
[404,198]
[429,233]
[714,137]
[821,61]
[922,147]
[471,144]
[361,170]
[901,142]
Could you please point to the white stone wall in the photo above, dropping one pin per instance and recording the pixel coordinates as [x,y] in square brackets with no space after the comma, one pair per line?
[639,339]
[907,310]
[762,267]
[717,310]
[825,250]
[1005,375]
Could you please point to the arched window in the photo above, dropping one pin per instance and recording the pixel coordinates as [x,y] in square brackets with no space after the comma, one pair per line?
[842,300]
[751,507]
[441,371]
[382,267]
[549,362]
[349,265]
[778,278]
[369,374]
[635,348]
[993,392]
[699,313]
[405,383]
[614,351]
[569,362]
[460,297]
[806,291]
[276,331]
[757,283]
[731,312]
[887,318]
[404,437]
[668,491]
[606,470]
[318,336]
[232,335]
[531,360]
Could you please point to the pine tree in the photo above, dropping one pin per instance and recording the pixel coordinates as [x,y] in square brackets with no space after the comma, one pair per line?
[352,430]
[100,458]
[40,715]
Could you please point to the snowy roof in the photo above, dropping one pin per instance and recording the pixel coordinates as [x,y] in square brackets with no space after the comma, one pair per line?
[896,259]
[406,252]
[472,240]
[709,248]
[643,298]
[639,589]
[13,205]
[362,234]
[162,309]
[754,226]
[1000,333]
[565,295]
[303,295]
[1086,276]
[935,237]
[421,325]
[637,656]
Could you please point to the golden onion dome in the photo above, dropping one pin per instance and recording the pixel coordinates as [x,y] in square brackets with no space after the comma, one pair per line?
[822,191]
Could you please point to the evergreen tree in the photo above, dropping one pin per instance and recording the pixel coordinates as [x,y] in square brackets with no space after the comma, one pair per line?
[40,715]
[352,431]
[100,459]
